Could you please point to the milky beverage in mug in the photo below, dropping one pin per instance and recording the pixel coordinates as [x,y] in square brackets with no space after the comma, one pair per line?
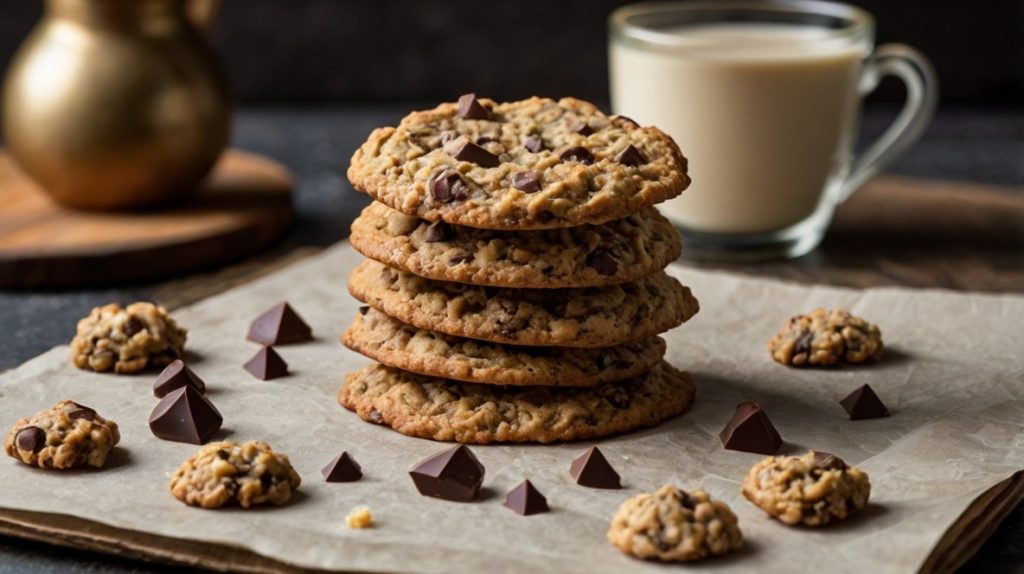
[765,112]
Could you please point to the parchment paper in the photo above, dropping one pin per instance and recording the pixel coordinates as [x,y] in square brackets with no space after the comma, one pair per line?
[952,377]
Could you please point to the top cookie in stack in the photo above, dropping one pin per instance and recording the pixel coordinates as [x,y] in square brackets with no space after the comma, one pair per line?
[516,288]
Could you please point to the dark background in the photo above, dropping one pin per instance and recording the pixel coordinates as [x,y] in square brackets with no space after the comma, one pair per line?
[335,51]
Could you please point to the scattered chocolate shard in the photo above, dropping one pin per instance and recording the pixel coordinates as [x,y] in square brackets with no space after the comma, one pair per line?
[439,231]
[31,438]
[266,364]
[580,154]
[175,376]
[750,430]
[828,461]
[526,181]
[525,499]
[475,154]
[184,415]
[863,403]
[279,325]
[470,108]
[592,469]
[534,144]
[342,469]
[631,156]
[603,262]
[454,474]
[449,186]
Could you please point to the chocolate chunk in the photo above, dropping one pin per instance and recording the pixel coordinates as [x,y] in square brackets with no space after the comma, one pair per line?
[439,231]
[863,403]
[534,144]
[750,430]
[279,325]
[627,119]
[342,469]
[526,500]
[460,258]
[266,364]
[526,181]
[803,343]
[177,375]
[364,309]
[580,154]
[486,140]
[828,461]
[592,469]
[603,262]
[582,128]
[448,186]
[475,154]
[133,326]
[453,474]
[31,439]
[184,415]
[470,108]
[448,136]
[82,413]
[631,156]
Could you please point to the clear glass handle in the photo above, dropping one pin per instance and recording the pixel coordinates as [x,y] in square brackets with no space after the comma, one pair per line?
[922,84]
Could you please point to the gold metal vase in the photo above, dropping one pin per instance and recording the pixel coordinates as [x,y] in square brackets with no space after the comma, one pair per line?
[116,104]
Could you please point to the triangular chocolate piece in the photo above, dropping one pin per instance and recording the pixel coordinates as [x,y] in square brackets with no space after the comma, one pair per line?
[279,325]
[184,415]
[863,403]
[175,376]
[592,469]
[526,500]
[342,469]
[631,156]
[470,108]
[266,364]
[750,430]
[453,474]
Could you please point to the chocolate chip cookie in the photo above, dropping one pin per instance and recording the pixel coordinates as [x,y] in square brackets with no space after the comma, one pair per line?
[226,473]
[618,251]
[127,340]
[824,338]
[813,489]
[389,341]
[446,410]
[68,435]
[592,317]
[531,164]
[674,525]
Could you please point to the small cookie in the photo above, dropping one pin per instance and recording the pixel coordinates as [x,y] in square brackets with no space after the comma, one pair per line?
[812,489]
[593,317]
[68,435]
[127,340]
[392,342]
[619,251]
[226,473]
[446,410]
[823,338]
[531,164]
[674,525]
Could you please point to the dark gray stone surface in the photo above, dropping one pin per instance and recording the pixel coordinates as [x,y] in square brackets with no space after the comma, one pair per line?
[979,144]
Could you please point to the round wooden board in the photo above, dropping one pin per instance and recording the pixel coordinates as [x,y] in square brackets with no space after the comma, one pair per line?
[244,206]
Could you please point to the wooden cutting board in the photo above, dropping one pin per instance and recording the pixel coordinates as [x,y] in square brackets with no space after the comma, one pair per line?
[243,207]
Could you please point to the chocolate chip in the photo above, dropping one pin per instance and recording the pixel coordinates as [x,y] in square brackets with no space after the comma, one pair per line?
[863,403]
[526,181]
[525,499]
[486,140]
[447,136]
[453,474]
[376,417]
[582,128]
[448,186]
[31,439]
[83,412]
[266,364]
[828,461]
[344,468]
[631,156]
[592,469]
[534,144]
[470,108]
[803,343]
[750,430]
[133,326]
[603,262]
[545,216]
[266,479]
[627,119]
[475,154]
[364,309]
[184,415]
[460,258]
[279,325]
[175,376]
[439,231]
[580,154]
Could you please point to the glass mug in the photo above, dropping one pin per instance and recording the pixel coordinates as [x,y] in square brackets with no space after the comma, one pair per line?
[764,99]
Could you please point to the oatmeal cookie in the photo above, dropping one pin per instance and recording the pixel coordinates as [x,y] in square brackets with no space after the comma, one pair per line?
[812,489]
[674,525]
[592,317]
[441,409]
[226,473]
[68,435]
[389,341]
[615,252]
[823,338]
[531,164]
[127,340]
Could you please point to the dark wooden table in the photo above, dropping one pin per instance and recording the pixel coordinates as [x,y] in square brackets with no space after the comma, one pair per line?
[903,242]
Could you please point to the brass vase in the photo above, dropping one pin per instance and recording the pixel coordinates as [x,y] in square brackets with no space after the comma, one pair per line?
[116,104]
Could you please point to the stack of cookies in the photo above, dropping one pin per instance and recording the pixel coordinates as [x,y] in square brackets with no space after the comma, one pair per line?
[515,287]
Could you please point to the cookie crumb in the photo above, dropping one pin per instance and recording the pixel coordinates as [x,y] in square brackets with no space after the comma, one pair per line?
[360,517]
